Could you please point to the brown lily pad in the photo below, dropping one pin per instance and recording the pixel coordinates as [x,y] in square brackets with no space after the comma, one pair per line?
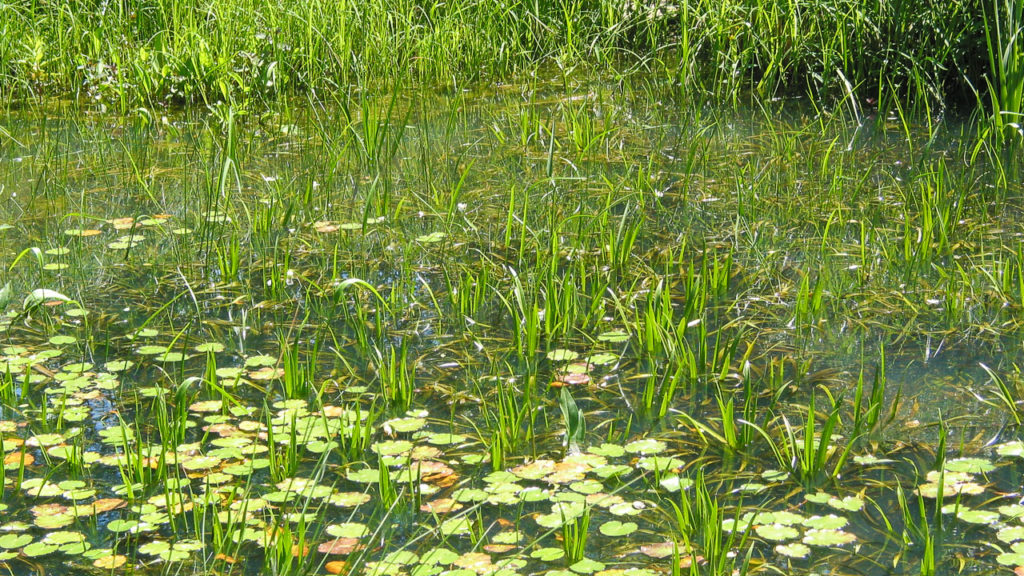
[659,549]
[339,546]
[14,458]
[441,506]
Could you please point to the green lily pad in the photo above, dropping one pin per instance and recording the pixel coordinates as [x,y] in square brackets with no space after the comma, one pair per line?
[1011,534]
[849,503]
[978,516]
[347,530]
[402,557]
[826,538]
[562,355]
[11,541]
[37,549]
[608,450]
[613,336]
[818,497]
[783,517]
[154,548]
[1010,559]
[62,537]
[1015,448]
[776,532]
[830,522]
[364,476]
[645,446]
[587,566]
[617,528]
[969,465]
[260,361]
[209,347]
[659,463]
[122,525]
[118,365]
[403,425]
[151,350]
[602,358]
[1012,510]
[509,537]
[547,554]
[455,527]
[793,550]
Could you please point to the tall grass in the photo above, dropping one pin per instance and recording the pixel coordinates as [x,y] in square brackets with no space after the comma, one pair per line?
[151,51]
[1004,35]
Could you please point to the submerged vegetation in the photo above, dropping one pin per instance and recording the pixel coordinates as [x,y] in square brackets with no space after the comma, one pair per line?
[563,329]
[481,288]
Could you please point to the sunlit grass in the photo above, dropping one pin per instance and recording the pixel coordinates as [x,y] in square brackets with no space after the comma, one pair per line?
[535,332]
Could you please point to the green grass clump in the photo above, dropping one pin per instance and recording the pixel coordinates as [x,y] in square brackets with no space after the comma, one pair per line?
[893,54]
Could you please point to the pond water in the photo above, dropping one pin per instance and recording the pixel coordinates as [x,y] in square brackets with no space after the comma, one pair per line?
[551,328]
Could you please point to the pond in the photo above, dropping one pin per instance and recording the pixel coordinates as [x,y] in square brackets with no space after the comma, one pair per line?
[550,328]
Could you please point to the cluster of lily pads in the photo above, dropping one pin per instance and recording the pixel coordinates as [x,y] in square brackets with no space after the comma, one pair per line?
[583,334]
[89,481]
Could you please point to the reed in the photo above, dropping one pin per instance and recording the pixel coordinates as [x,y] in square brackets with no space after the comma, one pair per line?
[149,52]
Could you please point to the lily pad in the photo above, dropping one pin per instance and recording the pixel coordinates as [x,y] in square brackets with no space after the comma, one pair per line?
[616,528]
[793,550]
[828,538]
[776,532]
[645,446]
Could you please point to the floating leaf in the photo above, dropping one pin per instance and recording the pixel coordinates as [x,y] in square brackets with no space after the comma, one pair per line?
[562,355]
[828,538]
[122,525]
[849,503]
[37,549]
[11,541]
[455,527]
[586,566]
[776,532]
[547,554]
[674,483]
[110,562]
[660,549]
[602,358]
[154,548]
[1015,448]
[1012,510]
[645,446]
[347,530]
[608,450]
[969,465]
[977,516]
[1010,559]
[616,528]
[830,522]
[439,556]
[793,550]
[339,546]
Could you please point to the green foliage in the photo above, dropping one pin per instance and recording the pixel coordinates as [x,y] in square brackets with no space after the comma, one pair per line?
[148,51]
[575,425]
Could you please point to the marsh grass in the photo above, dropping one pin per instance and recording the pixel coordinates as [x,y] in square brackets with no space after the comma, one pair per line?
[917,57]
[455,318]
[1004,28]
